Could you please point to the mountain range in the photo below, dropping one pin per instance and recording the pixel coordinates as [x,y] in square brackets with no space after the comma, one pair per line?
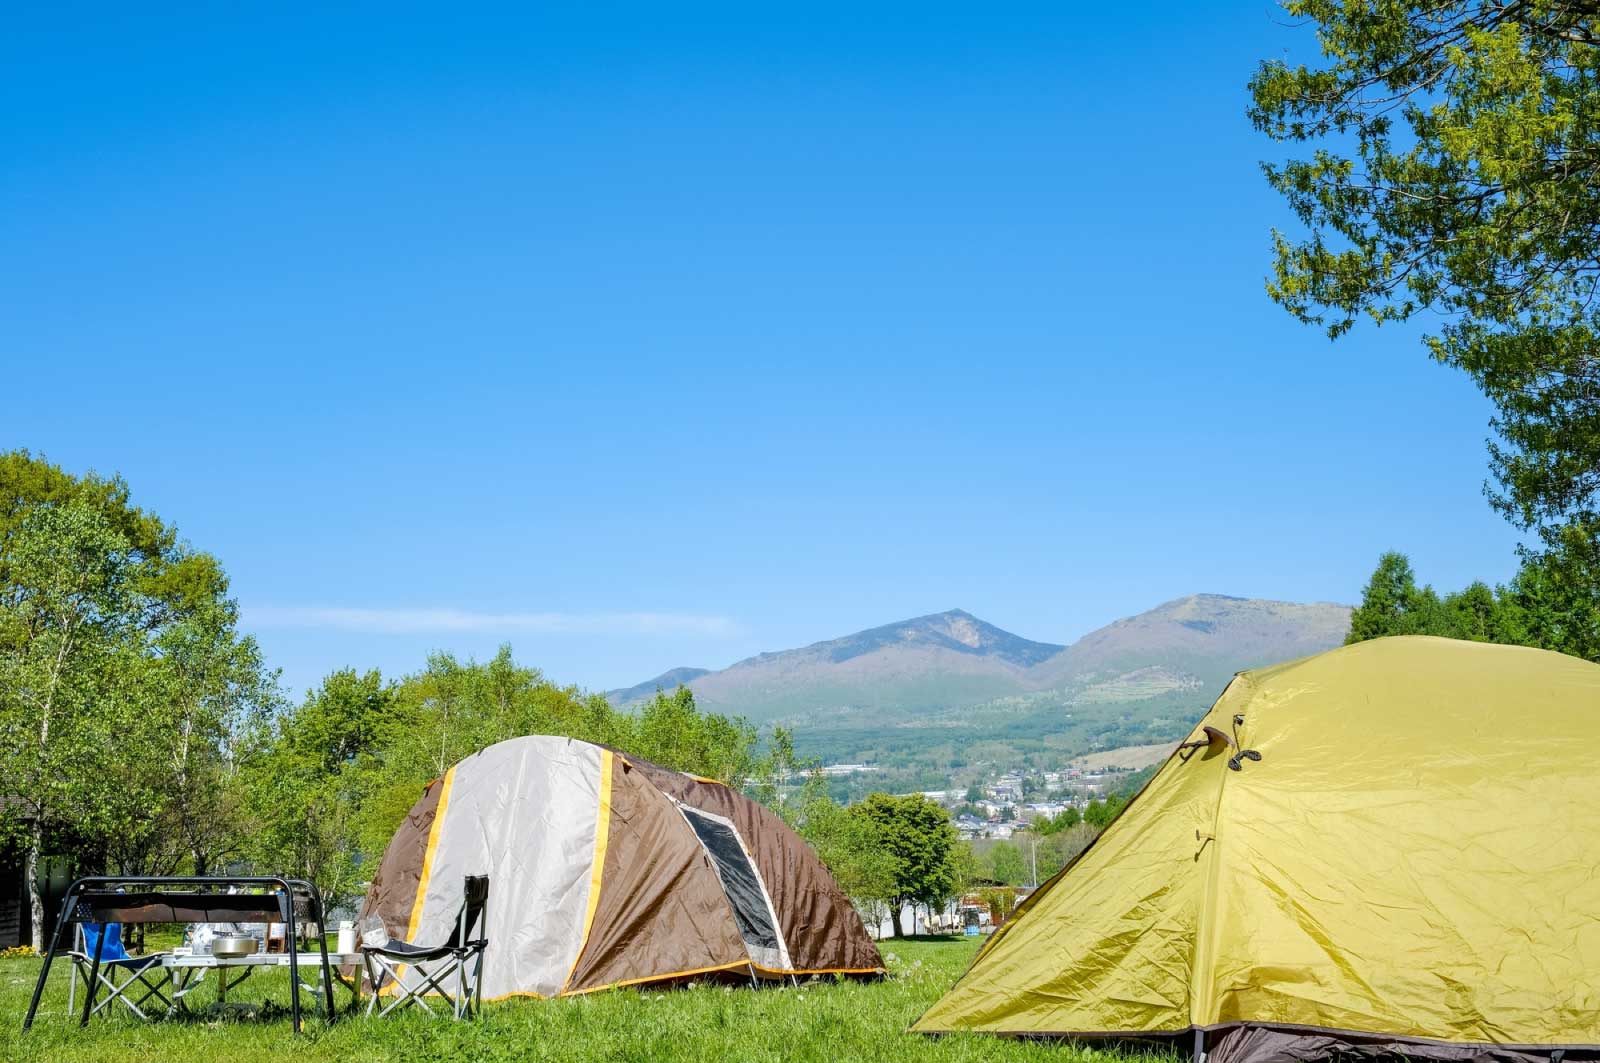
[939,690]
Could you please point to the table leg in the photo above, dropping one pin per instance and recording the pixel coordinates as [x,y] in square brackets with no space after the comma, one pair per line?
[183,981]
[94,976]
[224,983]
[350,985]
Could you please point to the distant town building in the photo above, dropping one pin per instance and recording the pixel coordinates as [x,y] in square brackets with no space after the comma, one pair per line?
[847,769]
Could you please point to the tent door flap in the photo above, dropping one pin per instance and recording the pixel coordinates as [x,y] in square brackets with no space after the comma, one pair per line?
[747,894]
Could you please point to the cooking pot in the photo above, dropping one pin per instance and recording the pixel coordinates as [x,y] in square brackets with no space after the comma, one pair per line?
[232,948]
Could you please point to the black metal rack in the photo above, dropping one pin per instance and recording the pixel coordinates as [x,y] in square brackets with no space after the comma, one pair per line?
[161,899]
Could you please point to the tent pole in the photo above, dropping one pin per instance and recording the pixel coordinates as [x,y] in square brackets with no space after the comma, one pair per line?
[1199,1055]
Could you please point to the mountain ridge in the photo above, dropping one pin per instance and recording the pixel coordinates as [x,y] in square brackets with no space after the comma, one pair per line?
[941,684]
[954,629]
[671,679]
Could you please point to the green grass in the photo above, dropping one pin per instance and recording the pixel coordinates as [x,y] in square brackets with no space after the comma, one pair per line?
[828,1022]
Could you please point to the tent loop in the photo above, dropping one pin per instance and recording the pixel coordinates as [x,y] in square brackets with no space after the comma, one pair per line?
[1236,761]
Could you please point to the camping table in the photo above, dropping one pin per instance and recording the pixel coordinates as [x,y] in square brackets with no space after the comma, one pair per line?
[193,899]
[187,973]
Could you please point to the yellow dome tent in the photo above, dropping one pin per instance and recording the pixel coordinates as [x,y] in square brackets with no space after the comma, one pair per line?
[1392,847]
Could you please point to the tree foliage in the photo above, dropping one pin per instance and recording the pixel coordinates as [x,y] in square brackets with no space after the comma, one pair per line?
[1009,864]
[919,838]
[848,844]
[123,679]
[312,782]
[1455,169]
[1535,609]
[1060,849]
[1066,819]
[1101,811]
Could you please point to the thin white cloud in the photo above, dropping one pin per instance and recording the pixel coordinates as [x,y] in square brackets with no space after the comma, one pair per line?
[425,621]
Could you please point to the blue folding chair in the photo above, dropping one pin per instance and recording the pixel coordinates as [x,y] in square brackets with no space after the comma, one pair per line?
[136,970]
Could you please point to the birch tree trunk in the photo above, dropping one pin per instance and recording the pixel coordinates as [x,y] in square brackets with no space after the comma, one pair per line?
[35,898]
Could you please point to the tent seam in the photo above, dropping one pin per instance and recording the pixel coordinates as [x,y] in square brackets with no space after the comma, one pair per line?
[659,977]
[428,853]
[602,835]
[1205,917]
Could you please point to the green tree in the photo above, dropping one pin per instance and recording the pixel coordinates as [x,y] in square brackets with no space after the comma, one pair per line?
[918,836]
[316,780]
[166,578]
[67,605]
[122,677]
[671,731]
[205,689]
[1553,603]
[1010,866]
[1066,819]
[1059,849]
[1393,604]
[846,843]
[1100,813]
[770,780]
[1557,597]
[1456,172]
[1474,613]
[965,869]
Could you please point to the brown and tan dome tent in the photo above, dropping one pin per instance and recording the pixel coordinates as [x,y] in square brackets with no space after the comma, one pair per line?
[605,871]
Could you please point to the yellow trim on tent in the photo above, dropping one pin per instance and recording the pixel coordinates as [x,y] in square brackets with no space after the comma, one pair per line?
[614,985]
[427,870]
[820,970]
[659,977]
[602,834]
[680,974]
[428,854]
[526,993]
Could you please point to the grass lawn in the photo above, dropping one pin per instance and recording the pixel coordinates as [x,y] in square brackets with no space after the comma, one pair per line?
[828,1022]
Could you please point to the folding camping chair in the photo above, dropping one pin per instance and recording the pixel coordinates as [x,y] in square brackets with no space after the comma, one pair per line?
[113,958]
[385,955]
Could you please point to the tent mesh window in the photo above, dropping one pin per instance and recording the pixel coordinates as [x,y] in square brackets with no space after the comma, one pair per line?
[739,879]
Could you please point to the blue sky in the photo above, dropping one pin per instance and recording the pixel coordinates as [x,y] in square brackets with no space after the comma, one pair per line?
[641,336]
